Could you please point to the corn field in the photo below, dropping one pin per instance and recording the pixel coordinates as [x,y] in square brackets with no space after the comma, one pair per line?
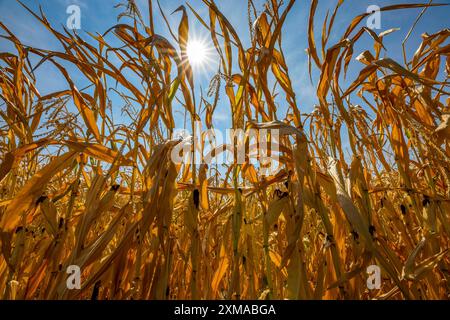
[80,189]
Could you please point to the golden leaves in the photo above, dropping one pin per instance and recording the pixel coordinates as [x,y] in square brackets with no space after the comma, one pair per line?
[327,183]
[107,195]
[413,272]
[183,39]
[443,130]
[28,196]
[6,165]
[311,39]
[203,181]
[86,112]
[221,270]
[399,144]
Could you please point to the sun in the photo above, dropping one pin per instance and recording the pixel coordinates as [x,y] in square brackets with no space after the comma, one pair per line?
[200,54]
[197,53]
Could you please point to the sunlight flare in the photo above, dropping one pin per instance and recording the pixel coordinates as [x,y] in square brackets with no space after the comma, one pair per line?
[197,52]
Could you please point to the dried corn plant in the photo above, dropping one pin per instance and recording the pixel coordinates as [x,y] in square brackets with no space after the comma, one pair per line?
[76,188]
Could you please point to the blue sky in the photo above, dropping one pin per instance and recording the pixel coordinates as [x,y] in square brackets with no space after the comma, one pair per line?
[99,15]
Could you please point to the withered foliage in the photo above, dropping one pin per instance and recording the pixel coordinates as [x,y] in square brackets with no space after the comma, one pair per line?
[79,189]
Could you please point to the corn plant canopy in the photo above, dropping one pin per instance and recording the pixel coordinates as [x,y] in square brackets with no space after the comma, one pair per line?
[357,184]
